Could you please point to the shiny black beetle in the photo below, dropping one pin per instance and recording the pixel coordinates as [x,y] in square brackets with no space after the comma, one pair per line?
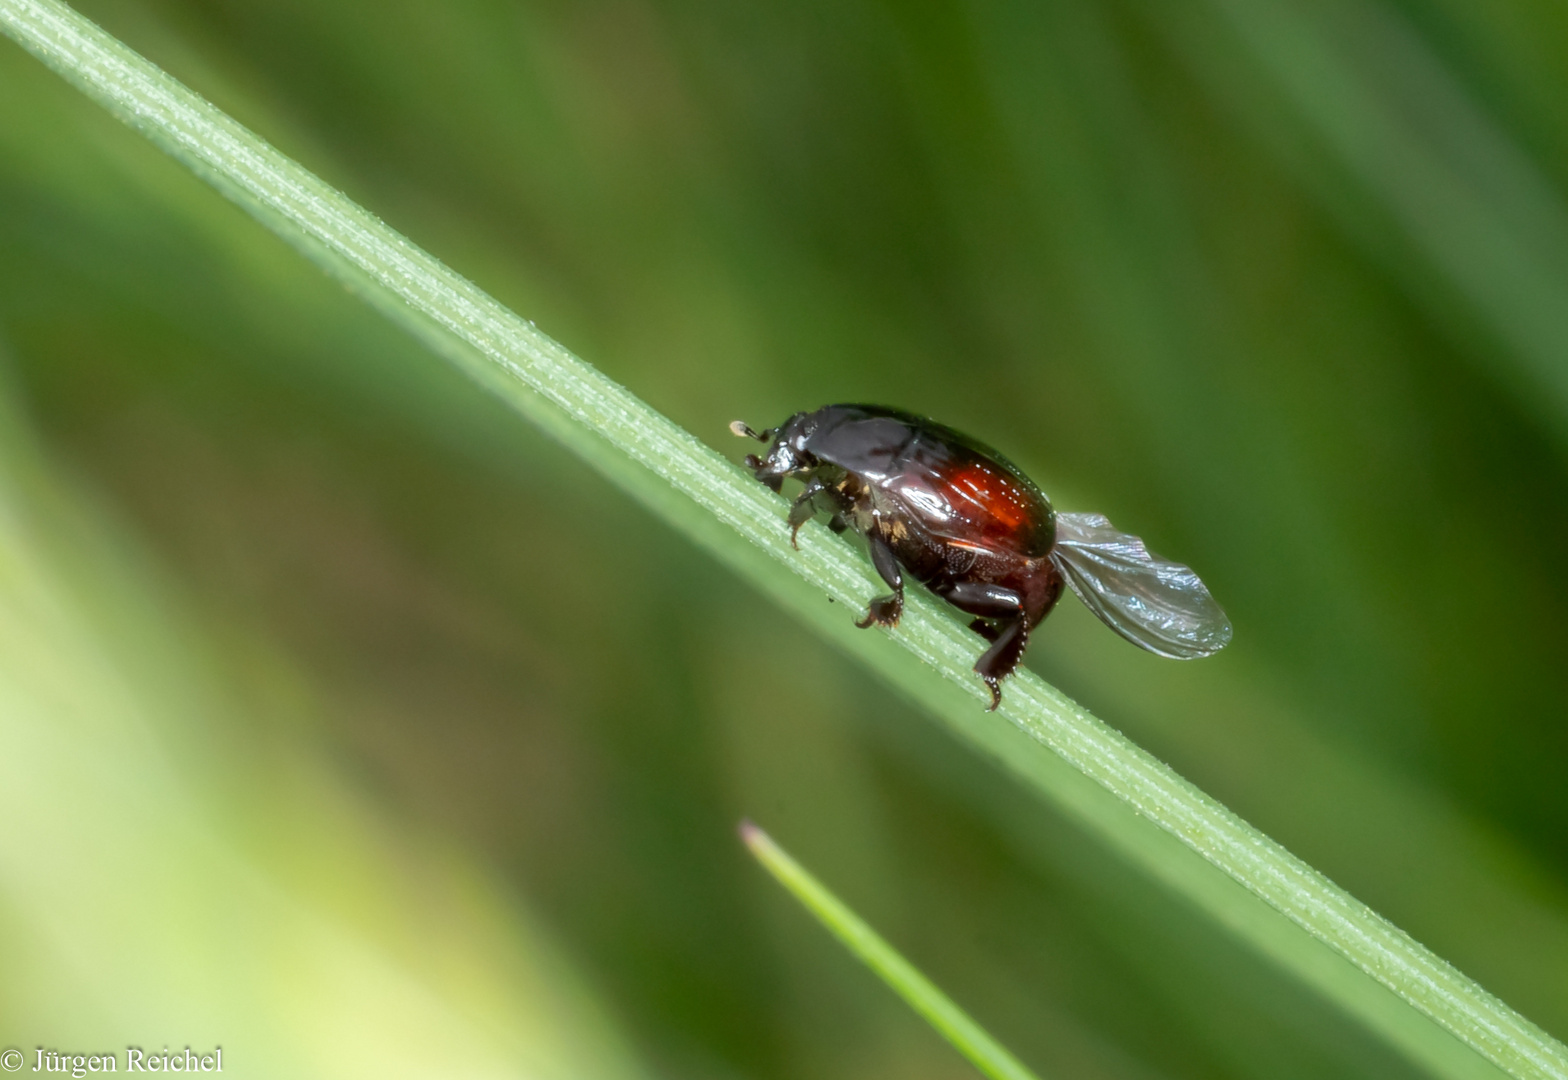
[958,517]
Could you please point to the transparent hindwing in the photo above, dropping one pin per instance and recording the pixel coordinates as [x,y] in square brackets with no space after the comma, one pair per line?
[1150,601]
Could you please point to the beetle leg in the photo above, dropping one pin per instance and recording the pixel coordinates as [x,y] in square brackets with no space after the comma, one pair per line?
[1007,637]
[998,662]
[885,610]
[803,510]
[774,484]
[837,523]
[987,601]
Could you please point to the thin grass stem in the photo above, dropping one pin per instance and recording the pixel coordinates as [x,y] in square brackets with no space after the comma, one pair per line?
[954,1025]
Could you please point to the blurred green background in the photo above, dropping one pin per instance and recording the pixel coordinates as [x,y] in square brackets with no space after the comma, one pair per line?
[349,724]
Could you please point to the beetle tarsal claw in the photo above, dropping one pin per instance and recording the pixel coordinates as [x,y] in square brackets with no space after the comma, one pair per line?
[995,686]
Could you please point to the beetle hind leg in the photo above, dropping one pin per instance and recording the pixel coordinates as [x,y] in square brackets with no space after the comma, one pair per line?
[996,606]
[998,662]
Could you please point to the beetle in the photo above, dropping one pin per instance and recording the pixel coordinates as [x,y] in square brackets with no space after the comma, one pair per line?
[953,514]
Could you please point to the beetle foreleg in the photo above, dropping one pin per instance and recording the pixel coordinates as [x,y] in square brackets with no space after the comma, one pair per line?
[803,509]
[885,610]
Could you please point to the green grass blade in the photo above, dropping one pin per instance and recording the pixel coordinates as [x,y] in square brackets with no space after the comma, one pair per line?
[955,1025]
[698,492]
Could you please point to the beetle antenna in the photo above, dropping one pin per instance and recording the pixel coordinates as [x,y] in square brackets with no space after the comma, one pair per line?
[740,428]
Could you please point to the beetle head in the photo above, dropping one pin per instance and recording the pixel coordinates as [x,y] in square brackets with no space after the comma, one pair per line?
[786,450]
